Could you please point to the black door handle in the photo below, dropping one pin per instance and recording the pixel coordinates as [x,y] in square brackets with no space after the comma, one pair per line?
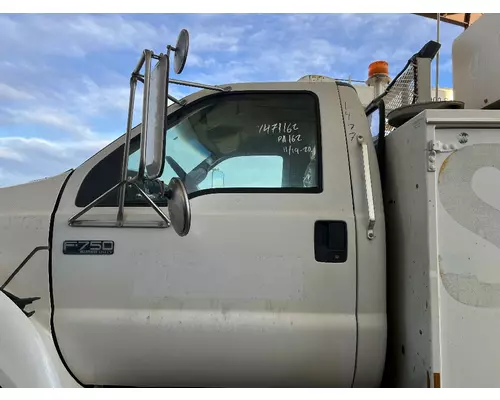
[330,241]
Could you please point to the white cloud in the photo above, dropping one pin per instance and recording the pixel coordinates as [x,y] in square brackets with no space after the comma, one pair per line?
[289,46]
[76,35]
[55,149]
[97,99]
[224,38]
[25,159]
[231,72]
[353,20]
[12,93]
[196,60]
[8,154]
[57,118]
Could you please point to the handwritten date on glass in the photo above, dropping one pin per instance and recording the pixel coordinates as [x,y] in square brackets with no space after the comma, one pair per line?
[350,131]
[279,127]
[297,150]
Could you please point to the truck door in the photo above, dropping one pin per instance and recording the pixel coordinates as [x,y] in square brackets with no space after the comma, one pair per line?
[261,292]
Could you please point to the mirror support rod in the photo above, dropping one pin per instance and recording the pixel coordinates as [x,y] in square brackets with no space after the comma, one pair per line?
[96,201]
[139,64]
[199,85]
[173,99]
[152,204]
[73,221]
[145,58]
[126,149]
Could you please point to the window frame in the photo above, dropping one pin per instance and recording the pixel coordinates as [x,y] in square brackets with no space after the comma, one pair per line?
[177,116]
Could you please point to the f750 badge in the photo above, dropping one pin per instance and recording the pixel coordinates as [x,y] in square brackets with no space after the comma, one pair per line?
[88,247]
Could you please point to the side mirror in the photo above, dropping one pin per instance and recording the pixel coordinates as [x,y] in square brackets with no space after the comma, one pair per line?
[154,120]
[179,207]
[154,129]
[181,51]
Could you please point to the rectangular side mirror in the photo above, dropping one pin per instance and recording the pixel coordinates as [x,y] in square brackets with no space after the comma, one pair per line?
[155,119]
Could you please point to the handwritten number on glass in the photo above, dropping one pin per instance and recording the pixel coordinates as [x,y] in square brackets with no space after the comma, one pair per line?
[278,128]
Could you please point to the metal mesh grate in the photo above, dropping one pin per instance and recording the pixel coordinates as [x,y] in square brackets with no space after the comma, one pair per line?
[403,91]
[404,88]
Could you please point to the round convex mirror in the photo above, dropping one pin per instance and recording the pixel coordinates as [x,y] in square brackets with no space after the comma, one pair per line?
[178,207]
[181,51]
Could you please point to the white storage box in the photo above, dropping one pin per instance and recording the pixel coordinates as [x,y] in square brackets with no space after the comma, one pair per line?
[442,205]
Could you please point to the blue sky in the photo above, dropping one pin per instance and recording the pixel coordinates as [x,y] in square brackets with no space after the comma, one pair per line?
[64,78]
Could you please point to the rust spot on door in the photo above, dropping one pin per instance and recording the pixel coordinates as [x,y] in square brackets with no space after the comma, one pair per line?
[437,380]
[443,166]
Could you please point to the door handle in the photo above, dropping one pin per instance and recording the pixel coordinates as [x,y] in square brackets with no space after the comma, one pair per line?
[368,187]
[330,241]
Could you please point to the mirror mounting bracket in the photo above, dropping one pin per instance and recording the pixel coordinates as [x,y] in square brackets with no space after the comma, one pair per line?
[120,221]
[155,86]
[200,85]
[176,101]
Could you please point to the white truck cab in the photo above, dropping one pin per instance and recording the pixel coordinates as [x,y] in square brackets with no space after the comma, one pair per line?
[268,234]
[271,272]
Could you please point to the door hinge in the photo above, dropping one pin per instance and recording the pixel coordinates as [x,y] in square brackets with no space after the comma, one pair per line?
[434,147]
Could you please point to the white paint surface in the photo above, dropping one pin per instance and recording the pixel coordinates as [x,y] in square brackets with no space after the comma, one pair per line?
[239,301]
[445,280]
